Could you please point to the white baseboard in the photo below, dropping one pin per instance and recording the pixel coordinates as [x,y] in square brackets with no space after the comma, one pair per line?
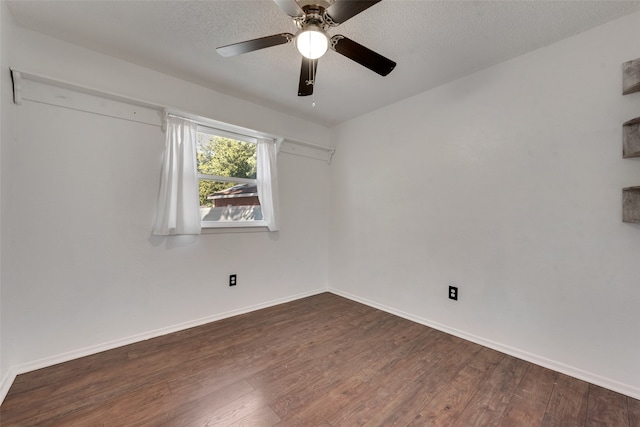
[7,380]
[23,368]
[571,371]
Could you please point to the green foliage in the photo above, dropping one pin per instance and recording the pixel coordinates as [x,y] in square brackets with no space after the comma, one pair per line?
[223,157]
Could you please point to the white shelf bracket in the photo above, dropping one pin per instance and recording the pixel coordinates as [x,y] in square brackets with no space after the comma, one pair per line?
[331,156]
[16,78]
[165,113]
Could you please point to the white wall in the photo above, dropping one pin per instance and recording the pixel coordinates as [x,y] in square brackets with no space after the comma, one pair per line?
[3,85]
[5,117]
[81,270]
[506,183]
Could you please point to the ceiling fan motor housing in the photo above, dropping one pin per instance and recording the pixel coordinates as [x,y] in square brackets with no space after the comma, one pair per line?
[313,15]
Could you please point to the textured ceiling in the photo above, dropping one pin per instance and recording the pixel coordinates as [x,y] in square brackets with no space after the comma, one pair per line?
[433,42]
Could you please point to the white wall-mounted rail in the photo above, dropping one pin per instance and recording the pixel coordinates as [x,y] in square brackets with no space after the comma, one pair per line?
[46,90]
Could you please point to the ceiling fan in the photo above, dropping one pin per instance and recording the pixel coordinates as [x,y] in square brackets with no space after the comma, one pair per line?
[313,18]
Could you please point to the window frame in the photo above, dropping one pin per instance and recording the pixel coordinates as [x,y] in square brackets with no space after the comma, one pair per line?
[212,225]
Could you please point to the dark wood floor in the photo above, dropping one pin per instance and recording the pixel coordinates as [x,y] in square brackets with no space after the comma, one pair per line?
[319,361]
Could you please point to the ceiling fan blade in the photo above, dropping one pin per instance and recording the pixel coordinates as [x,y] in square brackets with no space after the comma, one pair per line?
[307,76]
[290,7]
[255,44]
[342,10]
[362,55]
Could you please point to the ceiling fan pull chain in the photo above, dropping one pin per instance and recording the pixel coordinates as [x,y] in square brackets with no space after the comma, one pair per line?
[313,82]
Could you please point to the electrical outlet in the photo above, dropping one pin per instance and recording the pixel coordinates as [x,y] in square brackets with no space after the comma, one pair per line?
[453,293]
[232,280]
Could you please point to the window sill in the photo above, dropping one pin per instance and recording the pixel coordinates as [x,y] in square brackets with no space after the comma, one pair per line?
[210,227]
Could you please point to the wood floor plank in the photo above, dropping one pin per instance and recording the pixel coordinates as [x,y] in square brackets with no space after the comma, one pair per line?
[318,361]
[316,412]
[261,417]
[318,345]
[343,361]
[412,358]
[249,357]
[280,359]
[606,408]
[171,409]
[369,380]
[490,401]
[529,403]
[633,406]
[232,412]
[410,400]
[122,405]
[444,408]
[568,404]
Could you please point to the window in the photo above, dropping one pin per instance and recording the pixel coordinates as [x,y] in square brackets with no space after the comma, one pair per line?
[227,184]
[215,178]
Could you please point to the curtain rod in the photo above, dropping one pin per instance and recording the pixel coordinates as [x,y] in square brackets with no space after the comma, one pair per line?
[222,126]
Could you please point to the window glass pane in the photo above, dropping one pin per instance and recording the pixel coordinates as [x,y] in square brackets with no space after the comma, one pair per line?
[227,201]
[221,156]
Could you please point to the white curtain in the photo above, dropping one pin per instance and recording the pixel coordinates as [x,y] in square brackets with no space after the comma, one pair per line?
[267,177]
[178,208]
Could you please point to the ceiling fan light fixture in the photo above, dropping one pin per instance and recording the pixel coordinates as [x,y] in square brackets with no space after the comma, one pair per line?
[312,42]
